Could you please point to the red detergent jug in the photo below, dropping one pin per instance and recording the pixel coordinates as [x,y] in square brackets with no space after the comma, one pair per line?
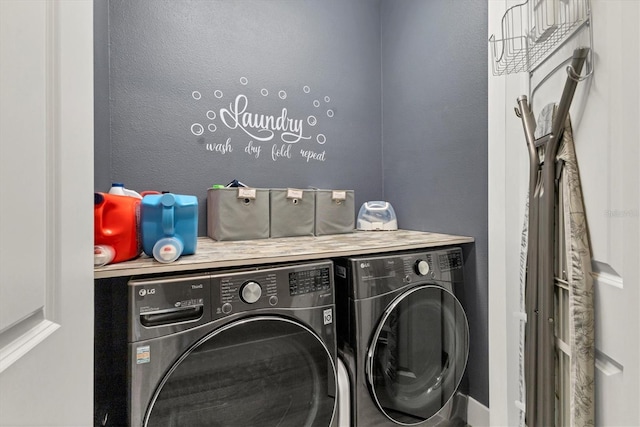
[116,226]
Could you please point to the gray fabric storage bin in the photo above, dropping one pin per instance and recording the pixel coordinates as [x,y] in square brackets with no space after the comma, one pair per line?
[292,212]
[335,212]
[238,213]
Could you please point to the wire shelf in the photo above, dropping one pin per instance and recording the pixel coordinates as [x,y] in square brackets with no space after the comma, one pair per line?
[532,30]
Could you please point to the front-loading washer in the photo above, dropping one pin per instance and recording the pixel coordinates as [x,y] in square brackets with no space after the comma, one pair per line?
[404,337]
[252,347]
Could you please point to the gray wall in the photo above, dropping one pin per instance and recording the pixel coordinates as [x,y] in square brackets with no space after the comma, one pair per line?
[417,66]
[175,66]
[434,79]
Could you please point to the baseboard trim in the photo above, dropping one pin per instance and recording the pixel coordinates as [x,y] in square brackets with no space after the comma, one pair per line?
[477,414]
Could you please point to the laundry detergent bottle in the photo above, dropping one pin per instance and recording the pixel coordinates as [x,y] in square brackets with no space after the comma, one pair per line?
[118,188]
[169,224]
[116,231]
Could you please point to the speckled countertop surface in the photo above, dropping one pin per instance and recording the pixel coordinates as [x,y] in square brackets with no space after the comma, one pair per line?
[212,254]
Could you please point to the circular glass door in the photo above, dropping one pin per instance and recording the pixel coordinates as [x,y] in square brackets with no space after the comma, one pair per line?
[418,354]
[261,371]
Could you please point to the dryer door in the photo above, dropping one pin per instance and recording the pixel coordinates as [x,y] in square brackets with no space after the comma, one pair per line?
[418,354]
[266,371]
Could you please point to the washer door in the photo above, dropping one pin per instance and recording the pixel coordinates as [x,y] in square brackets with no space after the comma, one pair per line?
[265,371]
[418,354]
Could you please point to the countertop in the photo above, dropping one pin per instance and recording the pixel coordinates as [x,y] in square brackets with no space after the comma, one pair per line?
[213,254]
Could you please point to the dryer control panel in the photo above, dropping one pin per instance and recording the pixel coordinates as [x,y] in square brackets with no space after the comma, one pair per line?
[379,274]
[450,260]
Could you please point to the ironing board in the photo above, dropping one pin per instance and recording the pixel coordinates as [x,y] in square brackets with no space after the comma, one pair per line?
[539,345]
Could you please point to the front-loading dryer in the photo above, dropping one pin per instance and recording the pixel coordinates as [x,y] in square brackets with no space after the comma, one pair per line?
[234,348]
[404,337]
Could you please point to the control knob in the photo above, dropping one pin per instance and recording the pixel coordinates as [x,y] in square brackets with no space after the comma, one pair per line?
[421,267]
[250,292]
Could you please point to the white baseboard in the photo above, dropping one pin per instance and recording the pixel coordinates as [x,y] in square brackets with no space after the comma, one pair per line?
[477,414]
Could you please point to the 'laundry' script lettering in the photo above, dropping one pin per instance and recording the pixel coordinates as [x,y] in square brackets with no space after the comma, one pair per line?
[261,127]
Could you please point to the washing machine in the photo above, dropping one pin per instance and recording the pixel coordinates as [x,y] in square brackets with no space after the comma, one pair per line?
[404,337]
[251,347]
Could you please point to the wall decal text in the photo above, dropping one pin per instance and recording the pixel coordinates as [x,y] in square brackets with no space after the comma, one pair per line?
[238,122]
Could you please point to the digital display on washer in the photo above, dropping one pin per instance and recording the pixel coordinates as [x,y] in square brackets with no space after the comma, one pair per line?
[304,282]
[450,261]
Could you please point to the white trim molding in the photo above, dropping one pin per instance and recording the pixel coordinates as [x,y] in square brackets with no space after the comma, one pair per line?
[477,414]
[25,342]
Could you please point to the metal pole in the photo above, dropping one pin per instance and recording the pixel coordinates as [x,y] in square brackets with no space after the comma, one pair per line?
[531,283]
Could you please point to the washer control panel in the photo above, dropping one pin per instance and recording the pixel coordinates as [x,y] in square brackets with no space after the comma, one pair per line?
[302,285]
[306,281]
[250,292]
[238,289]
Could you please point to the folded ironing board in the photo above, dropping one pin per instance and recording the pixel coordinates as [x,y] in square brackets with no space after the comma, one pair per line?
[539,346]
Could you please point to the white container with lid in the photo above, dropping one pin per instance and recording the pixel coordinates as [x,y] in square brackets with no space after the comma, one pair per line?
[377,215]
[118,188]
[167,249]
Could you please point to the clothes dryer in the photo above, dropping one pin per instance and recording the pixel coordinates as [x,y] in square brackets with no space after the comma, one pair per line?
[404,337]
[234,348]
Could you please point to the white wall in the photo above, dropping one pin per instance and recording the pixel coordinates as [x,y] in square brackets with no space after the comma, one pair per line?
[605,118]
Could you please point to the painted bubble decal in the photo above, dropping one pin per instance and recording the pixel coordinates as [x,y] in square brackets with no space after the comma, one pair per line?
[197,129]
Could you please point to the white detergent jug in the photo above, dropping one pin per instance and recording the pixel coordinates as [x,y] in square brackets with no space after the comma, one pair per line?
[118,188]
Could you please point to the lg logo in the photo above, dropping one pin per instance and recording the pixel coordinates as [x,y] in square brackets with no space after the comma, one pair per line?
[143,292]
[365,265]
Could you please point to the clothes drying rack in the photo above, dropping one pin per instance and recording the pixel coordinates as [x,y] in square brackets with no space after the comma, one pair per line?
[531,33]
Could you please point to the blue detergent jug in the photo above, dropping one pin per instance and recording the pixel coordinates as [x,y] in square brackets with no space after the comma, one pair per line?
[169,226]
